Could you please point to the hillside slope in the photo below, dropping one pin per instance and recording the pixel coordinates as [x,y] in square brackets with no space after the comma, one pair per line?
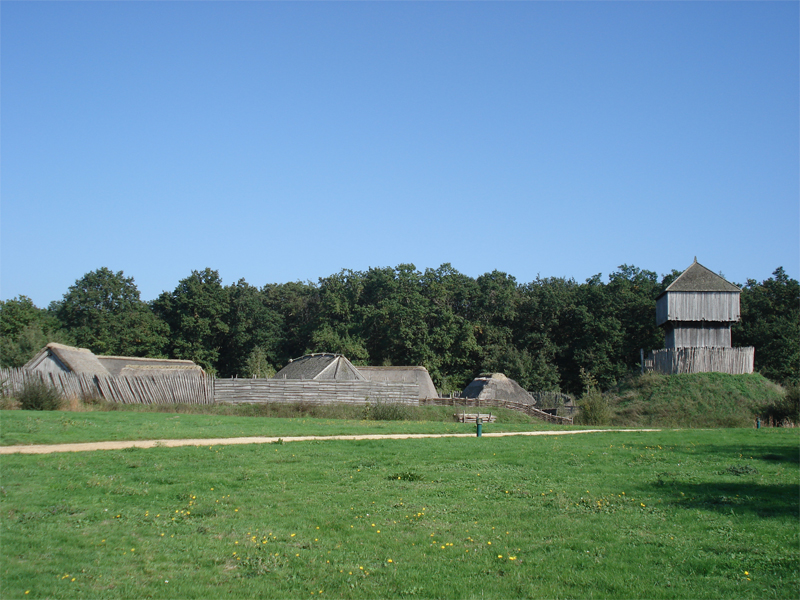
[692,400]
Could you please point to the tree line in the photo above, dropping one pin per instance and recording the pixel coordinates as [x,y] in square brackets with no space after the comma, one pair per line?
[542,333]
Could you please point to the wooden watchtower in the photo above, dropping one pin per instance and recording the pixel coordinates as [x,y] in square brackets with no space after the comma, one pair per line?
[696,312]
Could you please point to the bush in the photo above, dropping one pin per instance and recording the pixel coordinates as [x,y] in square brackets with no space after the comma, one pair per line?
[37,395]
[786,408]
[387,411]
[593,407]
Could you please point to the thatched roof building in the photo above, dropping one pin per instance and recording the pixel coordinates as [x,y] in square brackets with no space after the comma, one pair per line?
[320,367]
[418,375]
[496,386]
[59,358]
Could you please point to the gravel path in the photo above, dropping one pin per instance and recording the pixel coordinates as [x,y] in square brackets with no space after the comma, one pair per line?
[50,448]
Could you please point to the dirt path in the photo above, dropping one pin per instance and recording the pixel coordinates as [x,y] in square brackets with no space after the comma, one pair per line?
[50,448]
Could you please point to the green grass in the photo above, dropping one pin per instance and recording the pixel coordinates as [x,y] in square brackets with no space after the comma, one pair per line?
[670,514]
[695,400]
[139,423]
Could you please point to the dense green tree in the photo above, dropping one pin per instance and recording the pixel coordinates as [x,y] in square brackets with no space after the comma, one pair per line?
[593,337]
[257,365]
[453,350]
[16,315]
[103,312]
[26,329]
[196,312]
[252,324]
[297,304]
[633,292]
[544,306]
[494,315]
[396,331]
[339,320]
[771,323]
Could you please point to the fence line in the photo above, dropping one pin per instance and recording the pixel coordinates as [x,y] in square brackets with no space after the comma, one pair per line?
[552,399]
[671,361]
[203,389]
[310,391]
[518,406]
[196,388]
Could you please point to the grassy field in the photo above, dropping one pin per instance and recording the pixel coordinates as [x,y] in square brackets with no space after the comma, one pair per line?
[670,514]
[137,423]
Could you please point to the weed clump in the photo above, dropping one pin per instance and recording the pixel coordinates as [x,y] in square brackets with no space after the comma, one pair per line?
[387,411]
[406,476]
[37,395]
[594,409]
[740,470]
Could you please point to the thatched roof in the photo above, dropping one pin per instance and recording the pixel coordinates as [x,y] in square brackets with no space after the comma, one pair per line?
[129,366]
[80,360]
[418,375]
[496,386]
[67,358]
[320,366]
[698,278]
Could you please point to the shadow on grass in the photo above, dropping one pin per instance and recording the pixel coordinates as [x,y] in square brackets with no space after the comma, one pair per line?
[773,453]
[763,500]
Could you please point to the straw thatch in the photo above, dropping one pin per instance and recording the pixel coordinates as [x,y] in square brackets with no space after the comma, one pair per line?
[129,366]
[320,367]
[59,358]
[418,375]
[496,386]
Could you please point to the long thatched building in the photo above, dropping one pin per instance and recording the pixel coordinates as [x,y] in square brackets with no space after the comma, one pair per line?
[418,375]
[60,358]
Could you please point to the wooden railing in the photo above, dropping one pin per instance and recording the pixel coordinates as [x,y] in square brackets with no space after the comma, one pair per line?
[518,406]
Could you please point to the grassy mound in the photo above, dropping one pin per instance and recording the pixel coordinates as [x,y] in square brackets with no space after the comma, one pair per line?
[692,400]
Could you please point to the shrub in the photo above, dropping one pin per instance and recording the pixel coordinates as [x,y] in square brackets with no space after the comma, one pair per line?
[594,409]
[8,403]
[37,395]
[786,408]
[387,411]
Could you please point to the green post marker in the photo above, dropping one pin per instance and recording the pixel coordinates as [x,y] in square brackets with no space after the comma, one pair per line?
[479,422]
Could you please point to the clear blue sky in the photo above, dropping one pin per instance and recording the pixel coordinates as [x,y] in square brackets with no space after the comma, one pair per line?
[286,141]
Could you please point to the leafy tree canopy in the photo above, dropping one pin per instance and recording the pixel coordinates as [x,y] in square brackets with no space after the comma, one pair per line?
[771,323]
[26,329]
[103,312]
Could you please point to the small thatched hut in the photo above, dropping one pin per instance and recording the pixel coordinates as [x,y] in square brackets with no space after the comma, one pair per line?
[418,375]
[496,386]
[320,367]
[59,358]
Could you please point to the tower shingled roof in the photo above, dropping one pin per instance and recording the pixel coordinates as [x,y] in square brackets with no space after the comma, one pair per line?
[698,278]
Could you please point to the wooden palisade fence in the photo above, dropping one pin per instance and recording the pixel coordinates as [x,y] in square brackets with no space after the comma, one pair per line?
[149,389]
[204,389]
[671,361]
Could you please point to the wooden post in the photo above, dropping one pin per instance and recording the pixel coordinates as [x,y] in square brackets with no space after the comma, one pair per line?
[641,358]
